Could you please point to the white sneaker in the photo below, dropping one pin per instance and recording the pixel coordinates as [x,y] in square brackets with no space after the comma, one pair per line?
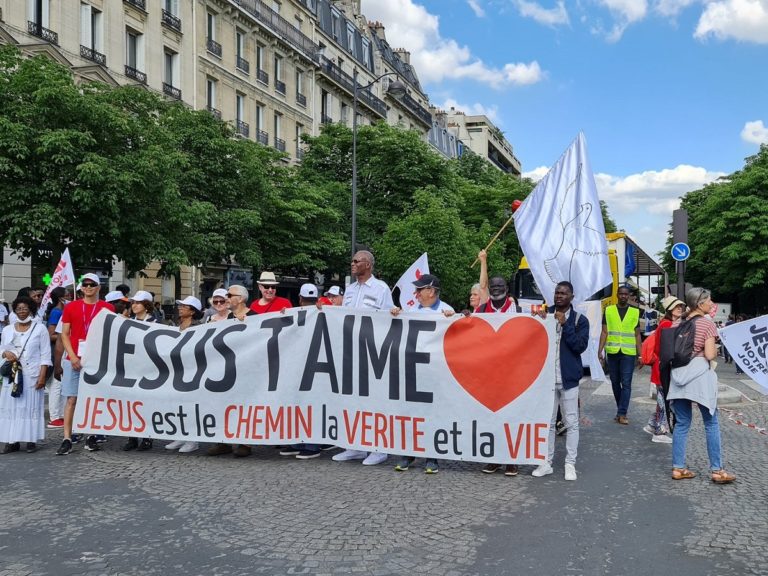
[350,455]
[375,458]
[570,472]
[661,439]
[189,447]
[647,428]
[176,444]
[542,470]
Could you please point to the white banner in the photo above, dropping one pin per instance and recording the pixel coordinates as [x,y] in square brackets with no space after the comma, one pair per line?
[405,284]
[478,389]
[748,343]
[560,228]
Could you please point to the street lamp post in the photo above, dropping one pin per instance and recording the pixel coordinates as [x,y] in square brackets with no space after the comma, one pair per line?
[396,89]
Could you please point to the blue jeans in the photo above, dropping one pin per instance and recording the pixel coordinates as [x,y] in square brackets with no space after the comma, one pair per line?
[683,412]
[620,369]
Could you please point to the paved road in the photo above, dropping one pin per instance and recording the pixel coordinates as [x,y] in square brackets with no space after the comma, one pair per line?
[112,513]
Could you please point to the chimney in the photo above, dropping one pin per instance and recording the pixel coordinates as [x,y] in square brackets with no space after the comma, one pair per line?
[378,29]
[405,56]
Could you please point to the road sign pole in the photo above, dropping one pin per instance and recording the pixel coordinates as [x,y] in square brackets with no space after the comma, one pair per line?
[680,234]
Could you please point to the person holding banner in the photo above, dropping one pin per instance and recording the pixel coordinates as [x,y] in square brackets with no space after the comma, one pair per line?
[220,304]
[620,348]
[22,399]
[370,293]
[572,339]
[269,301]
[696,382]
[55,309]
[428,296]
[76,321]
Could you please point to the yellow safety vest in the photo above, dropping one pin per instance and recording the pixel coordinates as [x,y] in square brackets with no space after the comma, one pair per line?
[621,333]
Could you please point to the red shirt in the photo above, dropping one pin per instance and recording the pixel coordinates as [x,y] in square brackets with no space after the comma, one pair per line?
[325,301]
[79,316]
[655,367]
[275,306]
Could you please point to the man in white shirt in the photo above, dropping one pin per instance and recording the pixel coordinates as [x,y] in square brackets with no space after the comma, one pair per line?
[370,293]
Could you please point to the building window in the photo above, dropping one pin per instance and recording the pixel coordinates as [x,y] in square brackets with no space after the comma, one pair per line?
[210,93]
[211,26]
[325,106]
[39,12]
[344,113]
[134,56]
[301,98]
[335,23]
[350,37]
[367,54]
[261,74]
[279,142]
[279,84]
[240,60]
[171,6]
[276,6]
[171,74]
[91,34]
[240,107]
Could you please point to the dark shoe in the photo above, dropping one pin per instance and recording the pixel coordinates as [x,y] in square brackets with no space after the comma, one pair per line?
[76,438]
[241,451]
[91,445]
[559,428]
[290,451]
[132,444]
[511,470]
[491,468]
[325,447]
[65,448]
[31,447]
[146,444]
[431,467]
[11,447]
[404,464]
[101,439]
[307,454]
[219,449]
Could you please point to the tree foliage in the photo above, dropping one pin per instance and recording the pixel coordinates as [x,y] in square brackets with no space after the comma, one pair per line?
[728,235]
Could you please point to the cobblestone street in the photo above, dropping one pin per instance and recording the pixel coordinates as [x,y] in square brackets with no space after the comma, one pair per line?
[116,513]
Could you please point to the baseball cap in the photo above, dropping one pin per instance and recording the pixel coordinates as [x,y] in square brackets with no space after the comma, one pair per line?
[191,301]
[115,296]
[92,277]
[333,291]
[219,292]
[426,281]
[142,295]
[308,291]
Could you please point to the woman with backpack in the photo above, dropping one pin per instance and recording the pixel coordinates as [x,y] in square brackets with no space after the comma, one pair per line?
[696,382]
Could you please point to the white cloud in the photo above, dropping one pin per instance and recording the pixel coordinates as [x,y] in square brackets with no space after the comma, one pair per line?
[655,191]
[745,20]
[435,58]
[755,132]
[672,8]
[537,173]
[556,16]
[476,8]
[625,13]
[491,112]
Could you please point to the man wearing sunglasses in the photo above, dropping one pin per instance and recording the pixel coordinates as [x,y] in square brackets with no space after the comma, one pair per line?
[76,321]
[269,301]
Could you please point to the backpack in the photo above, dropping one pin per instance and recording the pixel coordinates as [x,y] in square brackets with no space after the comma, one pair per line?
[677,344]
[648,349]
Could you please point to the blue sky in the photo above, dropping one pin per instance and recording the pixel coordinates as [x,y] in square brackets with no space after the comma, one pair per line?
[671,94]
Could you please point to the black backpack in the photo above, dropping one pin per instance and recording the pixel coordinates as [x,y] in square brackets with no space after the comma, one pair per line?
[676,348]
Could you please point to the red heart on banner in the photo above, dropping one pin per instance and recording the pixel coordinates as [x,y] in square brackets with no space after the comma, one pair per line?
[495,367]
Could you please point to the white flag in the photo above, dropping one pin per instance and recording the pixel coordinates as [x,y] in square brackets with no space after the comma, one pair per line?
[64,275]
[747,342]
[560,228]
[407,290]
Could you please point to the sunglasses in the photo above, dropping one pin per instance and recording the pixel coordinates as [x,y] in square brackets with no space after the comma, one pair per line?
[89,285]
[233,295]
[358,261]
[268,287]
[219,301]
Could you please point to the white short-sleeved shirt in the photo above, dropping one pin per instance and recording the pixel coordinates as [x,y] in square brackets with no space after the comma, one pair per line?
[373,294]
[438,306]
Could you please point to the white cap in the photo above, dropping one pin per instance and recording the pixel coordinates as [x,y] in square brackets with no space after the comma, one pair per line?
[191,301]
[142,295]
[333,291]
[114,296]
[308,291]
[219,292]
[92,277]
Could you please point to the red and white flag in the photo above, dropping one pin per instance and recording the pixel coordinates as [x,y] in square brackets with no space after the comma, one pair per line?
[64,275]
[407,291]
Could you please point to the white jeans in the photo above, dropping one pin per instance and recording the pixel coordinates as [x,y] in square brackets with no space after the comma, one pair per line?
[55,403]
[568,400]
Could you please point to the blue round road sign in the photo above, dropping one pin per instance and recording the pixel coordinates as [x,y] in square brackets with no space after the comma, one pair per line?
[681,251]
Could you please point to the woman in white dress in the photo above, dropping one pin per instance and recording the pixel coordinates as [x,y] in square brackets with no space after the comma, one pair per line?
[22,419]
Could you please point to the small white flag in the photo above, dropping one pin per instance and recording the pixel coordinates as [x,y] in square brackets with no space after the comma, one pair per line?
[407,290]
[747,342]
[560,228]
[64,275]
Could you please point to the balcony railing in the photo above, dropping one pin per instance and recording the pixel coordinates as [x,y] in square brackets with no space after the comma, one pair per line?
[332,71]
[140,4]
[280,26]
[137,75]
[262,137]
[299,153]
[213,47]
[171,91]
[301,100]
[242,128]
[326,119]
[280,144]
[280,86]
[91,54]
[38,30]
[416,109]
[171,21]
[242,64]
[215,113]
[262,76]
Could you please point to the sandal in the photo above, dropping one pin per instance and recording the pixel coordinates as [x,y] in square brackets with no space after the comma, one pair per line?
[722,477]
[683,474]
